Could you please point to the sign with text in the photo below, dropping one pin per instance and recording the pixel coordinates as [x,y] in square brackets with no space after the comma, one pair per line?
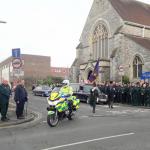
[16,53]
[145,75]
[18,72]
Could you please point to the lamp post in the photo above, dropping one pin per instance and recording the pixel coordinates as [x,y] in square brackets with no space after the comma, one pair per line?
[1,70]
[2,21]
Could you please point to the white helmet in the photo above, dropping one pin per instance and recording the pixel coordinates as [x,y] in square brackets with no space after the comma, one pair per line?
[66,82]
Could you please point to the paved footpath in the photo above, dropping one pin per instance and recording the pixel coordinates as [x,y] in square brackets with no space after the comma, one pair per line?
[29,116]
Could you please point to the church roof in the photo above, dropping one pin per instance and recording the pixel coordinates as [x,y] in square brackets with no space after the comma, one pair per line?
[144,42]
[133,11]
[79,46]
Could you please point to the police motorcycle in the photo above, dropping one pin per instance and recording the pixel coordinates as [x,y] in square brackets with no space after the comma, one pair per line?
[58,107]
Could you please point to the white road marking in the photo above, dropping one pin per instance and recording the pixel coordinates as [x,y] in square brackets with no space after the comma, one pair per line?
[82,142]
[83,117]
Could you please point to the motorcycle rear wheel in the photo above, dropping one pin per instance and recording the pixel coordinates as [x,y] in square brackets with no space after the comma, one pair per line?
[52,120]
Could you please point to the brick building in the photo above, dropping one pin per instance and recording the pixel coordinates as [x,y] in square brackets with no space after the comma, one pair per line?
[33,67]
[117,32]
[60,72]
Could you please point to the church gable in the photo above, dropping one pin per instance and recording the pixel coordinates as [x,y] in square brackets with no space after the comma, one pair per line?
[101,12]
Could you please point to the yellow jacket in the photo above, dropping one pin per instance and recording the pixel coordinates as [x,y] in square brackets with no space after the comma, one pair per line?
[66,90]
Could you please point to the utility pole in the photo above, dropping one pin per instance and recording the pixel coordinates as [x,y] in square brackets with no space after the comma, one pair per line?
[2,21]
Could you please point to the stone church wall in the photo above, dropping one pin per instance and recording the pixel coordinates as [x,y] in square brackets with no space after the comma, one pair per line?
[130,49]
[101,11]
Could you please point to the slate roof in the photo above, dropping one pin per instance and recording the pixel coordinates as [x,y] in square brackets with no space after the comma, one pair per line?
[144,42]
[133,11]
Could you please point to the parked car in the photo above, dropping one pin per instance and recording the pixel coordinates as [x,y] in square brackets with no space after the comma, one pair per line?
[42,90]
[83,92]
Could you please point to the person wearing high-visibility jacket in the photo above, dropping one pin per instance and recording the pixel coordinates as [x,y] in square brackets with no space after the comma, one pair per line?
[67,91]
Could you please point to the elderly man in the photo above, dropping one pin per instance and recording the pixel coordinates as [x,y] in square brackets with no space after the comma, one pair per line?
[20,97]
[4,99]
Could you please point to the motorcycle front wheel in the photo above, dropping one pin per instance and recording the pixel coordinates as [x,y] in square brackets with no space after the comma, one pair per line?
[52,120]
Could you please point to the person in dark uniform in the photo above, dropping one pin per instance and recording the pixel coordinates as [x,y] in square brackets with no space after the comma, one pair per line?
[4,99]
[93,96]
[20,98]
[142,94]
[111,94]
[131,94]
[147,95]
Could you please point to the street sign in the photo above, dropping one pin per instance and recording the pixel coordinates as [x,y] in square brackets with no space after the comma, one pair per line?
[18,72]
[121,68]
[145,75]
[16,63]
[16,53]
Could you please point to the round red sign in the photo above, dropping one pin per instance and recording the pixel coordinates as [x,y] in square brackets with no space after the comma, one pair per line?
[16,63]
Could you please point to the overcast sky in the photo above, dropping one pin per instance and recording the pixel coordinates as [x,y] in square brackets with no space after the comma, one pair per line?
[43,27]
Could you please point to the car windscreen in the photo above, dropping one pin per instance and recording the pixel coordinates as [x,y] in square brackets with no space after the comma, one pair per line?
[87,88]
[56,89]
[75,86]
[38,88]
[45,88]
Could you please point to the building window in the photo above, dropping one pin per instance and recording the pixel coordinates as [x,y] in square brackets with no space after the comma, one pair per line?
[137,67]
[100,42]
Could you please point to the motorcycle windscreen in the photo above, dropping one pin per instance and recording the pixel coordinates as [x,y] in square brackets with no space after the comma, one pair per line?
[53,96]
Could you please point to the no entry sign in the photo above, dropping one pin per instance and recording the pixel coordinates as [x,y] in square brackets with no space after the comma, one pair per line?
[16,63]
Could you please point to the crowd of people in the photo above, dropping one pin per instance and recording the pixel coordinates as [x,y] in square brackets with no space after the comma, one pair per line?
[20,97]
[136,94]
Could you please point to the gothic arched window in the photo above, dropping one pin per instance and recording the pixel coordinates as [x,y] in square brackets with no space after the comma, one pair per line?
[100,42]
[137,67]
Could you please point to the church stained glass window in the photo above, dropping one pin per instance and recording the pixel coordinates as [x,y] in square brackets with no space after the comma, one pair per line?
[137,67]
[100,42]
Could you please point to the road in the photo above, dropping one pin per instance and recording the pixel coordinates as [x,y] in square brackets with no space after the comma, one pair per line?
[122,128]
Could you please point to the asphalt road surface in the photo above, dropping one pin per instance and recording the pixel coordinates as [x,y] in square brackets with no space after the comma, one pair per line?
[121,128]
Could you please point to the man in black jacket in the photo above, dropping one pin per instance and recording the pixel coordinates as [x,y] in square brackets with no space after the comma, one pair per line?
[20,98]
[111,94]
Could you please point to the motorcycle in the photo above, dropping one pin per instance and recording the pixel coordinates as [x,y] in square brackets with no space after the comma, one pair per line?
[58,108]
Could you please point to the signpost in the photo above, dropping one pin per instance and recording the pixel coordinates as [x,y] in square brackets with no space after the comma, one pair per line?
[121,68]
[16,62]
[121,72]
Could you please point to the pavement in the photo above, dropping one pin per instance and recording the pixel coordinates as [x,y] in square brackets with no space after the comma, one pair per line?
[29,116]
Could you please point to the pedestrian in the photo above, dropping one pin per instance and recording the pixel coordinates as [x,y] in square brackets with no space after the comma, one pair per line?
[143,94]
[20,97]
[33,87]
[147,95]
[4,99]
[93,96]
[111,94]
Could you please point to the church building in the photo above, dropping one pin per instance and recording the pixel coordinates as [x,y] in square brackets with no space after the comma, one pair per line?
[118,33]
